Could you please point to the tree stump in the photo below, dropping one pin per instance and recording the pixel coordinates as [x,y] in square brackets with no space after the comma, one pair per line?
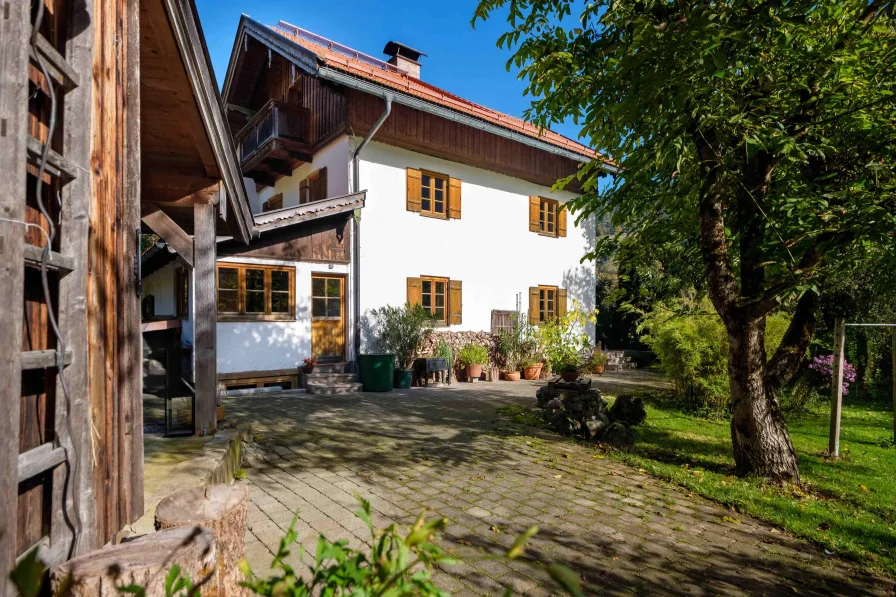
[221,508]
[144,562]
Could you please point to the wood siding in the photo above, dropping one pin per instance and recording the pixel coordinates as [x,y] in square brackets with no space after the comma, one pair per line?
[432,135]
[326,240]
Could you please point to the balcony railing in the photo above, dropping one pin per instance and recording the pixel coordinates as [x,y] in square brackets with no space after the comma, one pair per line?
[275,120]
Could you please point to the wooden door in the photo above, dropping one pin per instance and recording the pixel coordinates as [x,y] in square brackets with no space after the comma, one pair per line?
[327,316]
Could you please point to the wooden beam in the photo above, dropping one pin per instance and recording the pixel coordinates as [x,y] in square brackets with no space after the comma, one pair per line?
[159,186]
[171,233]
[160,26]
[262,178]
[14,30]
[278,167]
[205,318]
[39,459]
[837,386]
[130,338]
[43,359]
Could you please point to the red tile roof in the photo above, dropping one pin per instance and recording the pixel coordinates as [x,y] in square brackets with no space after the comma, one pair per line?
[355,63]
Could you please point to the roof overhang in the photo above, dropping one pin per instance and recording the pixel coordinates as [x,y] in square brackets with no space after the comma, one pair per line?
[289,216]
[187,30]
[308,61]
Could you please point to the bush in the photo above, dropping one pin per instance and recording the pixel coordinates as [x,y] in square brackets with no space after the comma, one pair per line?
[562,340]
[399,330]
[473,354]
[692,346]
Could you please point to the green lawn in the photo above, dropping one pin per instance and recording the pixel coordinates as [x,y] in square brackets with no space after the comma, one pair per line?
[846,505]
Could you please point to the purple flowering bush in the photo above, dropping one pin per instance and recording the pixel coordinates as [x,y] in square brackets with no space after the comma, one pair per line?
[823,368]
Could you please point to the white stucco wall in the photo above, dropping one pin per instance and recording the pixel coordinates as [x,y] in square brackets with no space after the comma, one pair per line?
[271,345]
[160,284]
[334,156]
[490,248]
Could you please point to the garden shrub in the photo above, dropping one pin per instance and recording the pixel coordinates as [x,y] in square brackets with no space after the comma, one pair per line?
[692,346]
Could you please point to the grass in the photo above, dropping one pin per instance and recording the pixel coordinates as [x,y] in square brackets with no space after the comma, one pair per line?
[846,505]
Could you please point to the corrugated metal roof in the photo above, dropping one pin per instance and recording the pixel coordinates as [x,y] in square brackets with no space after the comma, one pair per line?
[345,59]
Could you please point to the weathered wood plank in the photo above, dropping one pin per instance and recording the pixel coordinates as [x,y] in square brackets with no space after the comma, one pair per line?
[57,165]
[205,317]
[171,233]
[72,423]
[60,70]
[43,359]
[56,262]
[14,30]
[130,339]
[39,459]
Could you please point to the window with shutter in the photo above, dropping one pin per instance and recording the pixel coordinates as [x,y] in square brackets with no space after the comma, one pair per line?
[440,296]
[275,202]
[313,187]
[432,194]
[547,217]
[546,303]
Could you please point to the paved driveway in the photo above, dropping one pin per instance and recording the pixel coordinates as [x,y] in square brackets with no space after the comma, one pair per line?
[623,532]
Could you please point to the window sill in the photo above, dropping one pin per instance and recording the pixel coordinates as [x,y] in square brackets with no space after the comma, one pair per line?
[286,317]
[433,216]
[547,235]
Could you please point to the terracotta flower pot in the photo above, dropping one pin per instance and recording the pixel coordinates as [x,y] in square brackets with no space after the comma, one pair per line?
[474,372]
[511,376]
[532,372]
[600,370]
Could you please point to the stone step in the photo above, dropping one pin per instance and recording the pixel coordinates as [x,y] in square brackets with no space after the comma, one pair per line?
[333,388]
[329,368]
[621,366]
[328,378]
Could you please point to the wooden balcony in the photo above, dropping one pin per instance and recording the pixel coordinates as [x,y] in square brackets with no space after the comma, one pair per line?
[274,142]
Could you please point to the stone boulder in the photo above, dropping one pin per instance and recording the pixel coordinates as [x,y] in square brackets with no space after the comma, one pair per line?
[629,410]
[595,425]
[619,436]
[544,395]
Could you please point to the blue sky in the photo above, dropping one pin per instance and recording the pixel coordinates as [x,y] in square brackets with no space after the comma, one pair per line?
[460,59]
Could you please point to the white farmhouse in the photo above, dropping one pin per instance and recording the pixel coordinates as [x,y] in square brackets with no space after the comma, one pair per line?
[369,187]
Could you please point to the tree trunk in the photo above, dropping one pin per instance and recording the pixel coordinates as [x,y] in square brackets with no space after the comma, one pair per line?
[221,508]
[144,562]
[758,432]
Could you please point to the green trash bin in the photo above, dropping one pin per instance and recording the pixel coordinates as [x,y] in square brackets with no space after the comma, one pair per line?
[376,372]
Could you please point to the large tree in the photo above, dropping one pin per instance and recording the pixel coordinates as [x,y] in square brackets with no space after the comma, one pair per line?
[763,133]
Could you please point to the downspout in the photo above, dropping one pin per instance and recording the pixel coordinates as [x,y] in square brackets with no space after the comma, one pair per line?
[356,236]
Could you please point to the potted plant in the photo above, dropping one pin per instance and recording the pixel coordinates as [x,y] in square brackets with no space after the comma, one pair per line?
[308,365]
[598,363]
[399,330]
[562,341]
[531,368]
[472,357]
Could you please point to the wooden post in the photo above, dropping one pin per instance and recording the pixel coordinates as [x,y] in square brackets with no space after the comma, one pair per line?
[15,28]
[205,318]
[837,386]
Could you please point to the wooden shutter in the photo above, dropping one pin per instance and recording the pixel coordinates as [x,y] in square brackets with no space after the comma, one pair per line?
[320,190]
[304,194]
[533,305]
[454,198]
[561,220]
[561,302]
[413,190]
[455,302]
[534,205]
[415,291]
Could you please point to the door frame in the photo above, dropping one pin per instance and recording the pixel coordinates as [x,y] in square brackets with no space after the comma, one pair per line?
[343,315]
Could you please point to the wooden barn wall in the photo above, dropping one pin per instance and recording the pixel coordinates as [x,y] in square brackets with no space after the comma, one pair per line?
[327,108]
[110,291]
[432,135]
[281,82]
[319,241]
[37,413]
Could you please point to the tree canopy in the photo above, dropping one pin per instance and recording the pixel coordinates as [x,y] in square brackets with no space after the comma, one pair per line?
[757,137]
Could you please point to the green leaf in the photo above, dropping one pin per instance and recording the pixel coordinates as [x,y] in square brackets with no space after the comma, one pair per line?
[519,545]
[28,574]
[566,578]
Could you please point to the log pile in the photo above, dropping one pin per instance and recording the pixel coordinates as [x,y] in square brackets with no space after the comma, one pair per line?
[576,408]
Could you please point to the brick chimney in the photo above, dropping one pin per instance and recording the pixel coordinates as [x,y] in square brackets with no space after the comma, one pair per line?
[407,59]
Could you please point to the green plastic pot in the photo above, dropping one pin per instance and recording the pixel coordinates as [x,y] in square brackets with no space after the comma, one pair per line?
[402,379]
[376,372]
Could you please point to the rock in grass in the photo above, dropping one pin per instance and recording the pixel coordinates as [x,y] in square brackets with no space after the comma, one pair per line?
[629,410]
[595,425]
[619,436]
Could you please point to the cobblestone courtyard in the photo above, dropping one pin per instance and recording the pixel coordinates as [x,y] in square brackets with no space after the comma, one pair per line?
[442,449]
